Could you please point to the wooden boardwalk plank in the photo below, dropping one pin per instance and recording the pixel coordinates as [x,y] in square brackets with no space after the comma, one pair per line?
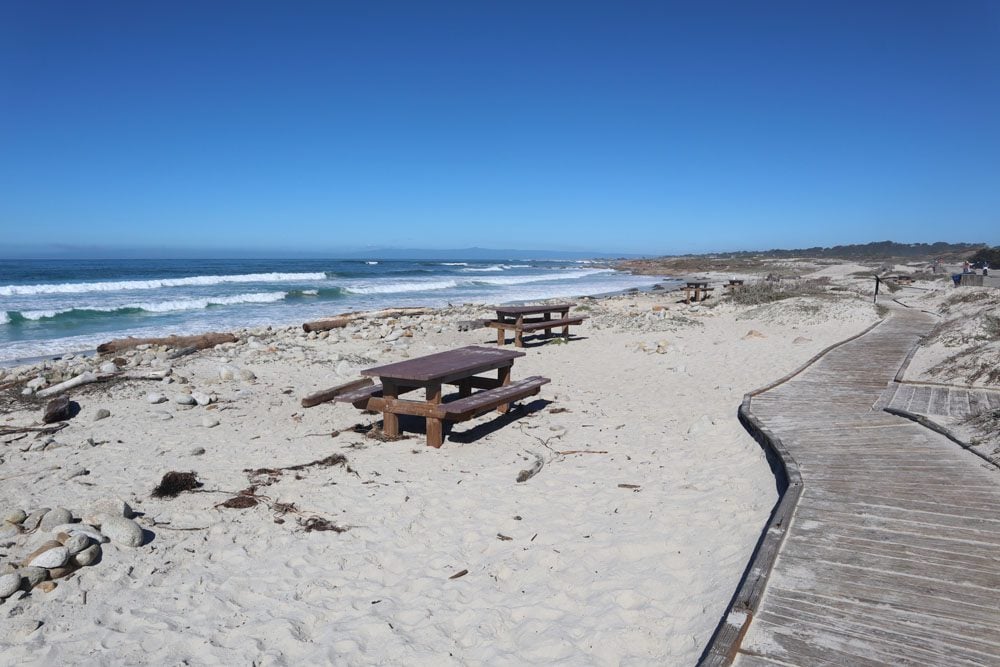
[892,554]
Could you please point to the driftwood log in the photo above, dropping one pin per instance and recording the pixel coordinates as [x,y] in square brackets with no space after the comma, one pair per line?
[333,392]
[341,320]
[89,378]
[199,342]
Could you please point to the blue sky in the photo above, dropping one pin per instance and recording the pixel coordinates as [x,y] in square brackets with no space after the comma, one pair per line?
[626,127]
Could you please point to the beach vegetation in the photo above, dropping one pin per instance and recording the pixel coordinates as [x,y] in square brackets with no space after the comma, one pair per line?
[769,291]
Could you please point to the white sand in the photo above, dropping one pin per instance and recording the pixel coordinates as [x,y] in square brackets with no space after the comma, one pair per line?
[593,573]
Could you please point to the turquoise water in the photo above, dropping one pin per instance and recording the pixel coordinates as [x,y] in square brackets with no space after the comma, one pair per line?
[50,307]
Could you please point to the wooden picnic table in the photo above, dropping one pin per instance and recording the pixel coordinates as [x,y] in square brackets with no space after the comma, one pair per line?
[459,367]
[699,288]
[514,318]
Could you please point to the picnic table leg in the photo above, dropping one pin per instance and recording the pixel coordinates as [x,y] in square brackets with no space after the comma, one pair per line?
[390,421]
[501,336]
[503,375]
[563,314]
[435,429]
[518,339]
[464,388]
[687,295]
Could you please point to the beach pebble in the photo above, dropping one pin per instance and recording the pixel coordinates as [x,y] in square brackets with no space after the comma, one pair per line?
[111,507]
[88,556]
[247,374]
[103,413]
[209,422]
[36,384]
[34,518]
[83,529]
[34,575]
[58,410]
[51,554]
[753,333]
[46,586]
[9,530]
[53,518]
[9,583]
[27,391]
[228,372]
[162,416]
[185,399]
[395,334]
[19,628]
[76,471]
[154,398]
[197,451]
[76,543]
[122,531]
[15,516]
[108,367]
[201,398]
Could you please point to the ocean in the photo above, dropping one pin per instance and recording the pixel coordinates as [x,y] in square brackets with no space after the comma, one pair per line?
[51,307]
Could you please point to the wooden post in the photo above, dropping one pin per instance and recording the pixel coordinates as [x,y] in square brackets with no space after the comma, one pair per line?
[875,298]
[501,336]
[464,388]
[503,375]
[563,314]
[390,421]
[546,317]
[518,334]
[435,429]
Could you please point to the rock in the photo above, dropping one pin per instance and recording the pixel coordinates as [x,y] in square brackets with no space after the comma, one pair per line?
[753,333]
[111,507]
[201,398]
[33,519]
[60,572]
[50,554]
[154,398]
[103,413]
[58,410]
[209,422]
[46,586]
[20,628]
[343,368]
[108,367]
[185,399]
[76,471]
[801,339]
[9,530]
[228,372]
[162,415]
[76,543]
[84,529]
[15,516]
[9,584]
[88,556]
[122,531]
[247,374]
[34,575]
[36,384]
[395,334]
[27,391]
[54,518]
[197,451]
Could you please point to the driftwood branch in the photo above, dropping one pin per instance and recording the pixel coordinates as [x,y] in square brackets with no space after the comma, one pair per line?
[199,342]
[89,378]
[333,392]
[341,320]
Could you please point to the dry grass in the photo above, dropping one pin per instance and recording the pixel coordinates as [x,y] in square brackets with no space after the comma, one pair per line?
[769,291]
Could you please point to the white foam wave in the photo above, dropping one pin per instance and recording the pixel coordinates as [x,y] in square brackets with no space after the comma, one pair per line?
[310,292]
[167,306]
[393,288]
[495,267]
[4,318]
[554,275]
[371,263]
[453,263]
[115,286]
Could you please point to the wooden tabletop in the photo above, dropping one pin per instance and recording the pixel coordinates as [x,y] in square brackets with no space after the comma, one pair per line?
[531,310]
[457,363]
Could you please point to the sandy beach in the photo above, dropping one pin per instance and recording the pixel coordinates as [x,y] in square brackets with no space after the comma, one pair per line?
[625,551]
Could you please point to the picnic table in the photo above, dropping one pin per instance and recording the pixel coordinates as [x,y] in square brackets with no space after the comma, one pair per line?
[699,288]
[514,318]
[460,367]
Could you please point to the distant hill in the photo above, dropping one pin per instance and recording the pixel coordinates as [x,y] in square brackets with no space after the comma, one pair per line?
[872,251]
[475,254]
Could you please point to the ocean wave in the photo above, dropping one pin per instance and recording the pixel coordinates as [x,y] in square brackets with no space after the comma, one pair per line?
[495,267]
[154,307]
[452,263]
[371,263]
[394,288]
[120,285]
[554,275]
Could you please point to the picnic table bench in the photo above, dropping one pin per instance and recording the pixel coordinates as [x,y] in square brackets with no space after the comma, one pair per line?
[460,367]
[513,318]
[734,285]
[699,288]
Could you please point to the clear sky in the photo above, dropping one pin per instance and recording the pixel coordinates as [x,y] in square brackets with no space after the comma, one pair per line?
[621,126]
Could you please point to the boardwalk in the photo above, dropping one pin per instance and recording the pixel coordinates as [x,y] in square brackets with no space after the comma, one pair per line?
[892,552]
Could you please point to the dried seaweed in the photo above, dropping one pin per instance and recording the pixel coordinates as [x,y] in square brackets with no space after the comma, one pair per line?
[174,483]
[318,523]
